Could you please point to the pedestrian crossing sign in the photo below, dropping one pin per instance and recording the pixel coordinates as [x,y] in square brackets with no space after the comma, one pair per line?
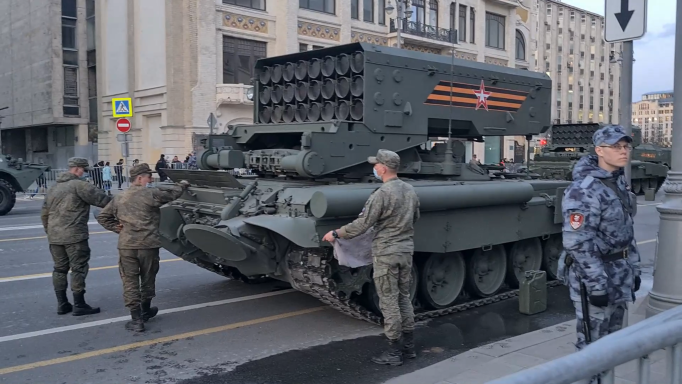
[122,107]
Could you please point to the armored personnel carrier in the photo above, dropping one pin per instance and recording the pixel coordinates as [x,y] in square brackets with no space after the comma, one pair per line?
[318,116]
[16,176]
[569,142]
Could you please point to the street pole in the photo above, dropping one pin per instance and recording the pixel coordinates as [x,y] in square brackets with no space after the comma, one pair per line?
[626,98]
[398,21]
[667,289]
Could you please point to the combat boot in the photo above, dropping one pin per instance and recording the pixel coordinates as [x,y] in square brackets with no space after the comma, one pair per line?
[136,324]
[63,305]
[408,345]
[81,308]
[391,356]
[148,311]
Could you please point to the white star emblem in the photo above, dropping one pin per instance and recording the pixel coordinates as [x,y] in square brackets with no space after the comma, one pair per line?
[482,96]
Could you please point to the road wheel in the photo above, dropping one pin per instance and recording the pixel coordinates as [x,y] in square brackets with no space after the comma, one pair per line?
[486,271]
[524,255]
[7,197]
[442,279]
[551,252]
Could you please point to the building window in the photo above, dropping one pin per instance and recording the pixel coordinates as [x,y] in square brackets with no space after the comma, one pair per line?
[418,11]
[433,13]
[494,30]
[381,12]
[71,91]
[327,6]
[255,4]
[69,8]
[520,46]
[355,9]
[239,59]
[472,24]
[453,16]
[462,23]
[368,10]
[69,33]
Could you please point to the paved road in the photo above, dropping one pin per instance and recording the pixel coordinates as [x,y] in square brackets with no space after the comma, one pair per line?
[213,330]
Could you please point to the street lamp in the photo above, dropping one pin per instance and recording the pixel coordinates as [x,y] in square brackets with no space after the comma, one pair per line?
[404,11]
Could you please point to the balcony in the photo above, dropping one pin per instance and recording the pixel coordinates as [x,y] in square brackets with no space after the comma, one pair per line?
[233,94]
[426,34]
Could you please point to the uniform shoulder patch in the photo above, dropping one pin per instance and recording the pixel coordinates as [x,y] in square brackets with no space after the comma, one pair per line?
[577,220]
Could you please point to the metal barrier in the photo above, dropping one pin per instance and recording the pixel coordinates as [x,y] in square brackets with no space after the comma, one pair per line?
[636,342]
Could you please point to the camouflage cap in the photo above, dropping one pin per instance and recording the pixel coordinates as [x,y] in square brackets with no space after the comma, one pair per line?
[79,162]
[387,158]
[140,169]
[610,135]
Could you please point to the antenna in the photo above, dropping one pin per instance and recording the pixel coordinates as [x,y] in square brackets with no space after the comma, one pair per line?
[448,147]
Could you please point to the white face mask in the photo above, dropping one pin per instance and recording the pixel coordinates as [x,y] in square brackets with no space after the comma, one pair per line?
[376,174]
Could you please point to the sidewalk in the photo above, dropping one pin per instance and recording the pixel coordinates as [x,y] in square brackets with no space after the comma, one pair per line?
[505,357]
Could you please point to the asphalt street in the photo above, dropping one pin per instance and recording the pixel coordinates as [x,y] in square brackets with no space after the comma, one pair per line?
[214,330]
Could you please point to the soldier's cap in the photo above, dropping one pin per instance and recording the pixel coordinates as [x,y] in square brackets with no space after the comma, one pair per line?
[140,169]
[387,158]
[610,135]
[79,162]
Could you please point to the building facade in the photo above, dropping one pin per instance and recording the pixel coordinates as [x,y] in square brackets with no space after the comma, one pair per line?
[180,61]
[47,80]
[654,114]
[585,70]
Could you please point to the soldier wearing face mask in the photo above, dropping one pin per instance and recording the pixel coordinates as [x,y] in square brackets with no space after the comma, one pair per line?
[392,210]
[600,263]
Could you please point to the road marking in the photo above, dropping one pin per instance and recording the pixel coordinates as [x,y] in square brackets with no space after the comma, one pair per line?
[32,226]
[120,348]
[126,318]
[45,237]
[646,241]
[42,275]
[648,205]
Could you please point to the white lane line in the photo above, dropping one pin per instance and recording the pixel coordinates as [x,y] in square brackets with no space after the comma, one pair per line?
[648,205]
[34,226]
[646,241]
[126,318]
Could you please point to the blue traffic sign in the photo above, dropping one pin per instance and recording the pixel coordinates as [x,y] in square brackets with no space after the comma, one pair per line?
[122,107]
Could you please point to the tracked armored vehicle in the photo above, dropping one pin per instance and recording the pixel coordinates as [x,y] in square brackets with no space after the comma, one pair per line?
[569,142]
[318,116]
[16,176]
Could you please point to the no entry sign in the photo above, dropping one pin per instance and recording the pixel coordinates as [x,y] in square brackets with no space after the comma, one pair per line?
[123,125]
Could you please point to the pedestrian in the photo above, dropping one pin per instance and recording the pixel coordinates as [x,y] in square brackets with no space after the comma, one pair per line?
[65,214]
[134,214]
[392,211]
[106,178]
[160,165]
[118,169]
[600,253]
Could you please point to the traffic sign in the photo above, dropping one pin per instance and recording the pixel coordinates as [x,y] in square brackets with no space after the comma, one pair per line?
[124,137]
[211,121]
[624,20]
[123,125]
[122,107]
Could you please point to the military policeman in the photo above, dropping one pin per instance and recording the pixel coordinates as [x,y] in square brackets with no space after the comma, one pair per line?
[65,214]
[134,214]
[392,210]
[600,253]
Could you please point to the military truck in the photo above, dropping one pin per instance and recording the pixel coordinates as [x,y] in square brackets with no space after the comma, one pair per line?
[569,142]
[318,116]
[16,176]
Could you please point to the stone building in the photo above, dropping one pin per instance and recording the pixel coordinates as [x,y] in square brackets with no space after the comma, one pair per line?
[47,80]
[181,60]
[654,114]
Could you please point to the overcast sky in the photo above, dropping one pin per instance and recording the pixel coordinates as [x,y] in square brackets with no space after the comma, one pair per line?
[655,52]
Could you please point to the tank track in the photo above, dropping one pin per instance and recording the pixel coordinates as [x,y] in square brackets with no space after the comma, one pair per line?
[309,269]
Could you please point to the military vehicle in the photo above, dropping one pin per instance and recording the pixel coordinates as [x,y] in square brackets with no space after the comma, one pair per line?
[569,142]
[16,176]
[318,116]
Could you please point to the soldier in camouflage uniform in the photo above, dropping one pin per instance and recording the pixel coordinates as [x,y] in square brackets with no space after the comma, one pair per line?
[134,214]
[598,236]
[65,214]
[392,210]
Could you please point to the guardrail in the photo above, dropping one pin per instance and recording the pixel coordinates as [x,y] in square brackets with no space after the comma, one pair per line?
[636,342]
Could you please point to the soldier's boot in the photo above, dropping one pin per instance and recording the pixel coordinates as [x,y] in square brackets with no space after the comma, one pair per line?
[408,345]
[80,307]
[148,311]
[136,324]
[63,305]
[391,356]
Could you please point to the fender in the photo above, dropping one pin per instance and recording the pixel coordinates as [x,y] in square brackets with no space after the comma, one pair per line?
[299,230]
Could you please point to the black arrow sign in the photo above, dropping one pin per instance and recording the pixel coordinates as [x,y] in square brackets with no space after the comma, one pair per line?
[624,15]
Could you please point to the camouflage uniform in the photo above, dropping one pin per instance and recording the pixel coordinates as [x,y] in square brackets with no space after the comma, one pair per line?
[392,210]
[599,242]
[65,214]
[137,211]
